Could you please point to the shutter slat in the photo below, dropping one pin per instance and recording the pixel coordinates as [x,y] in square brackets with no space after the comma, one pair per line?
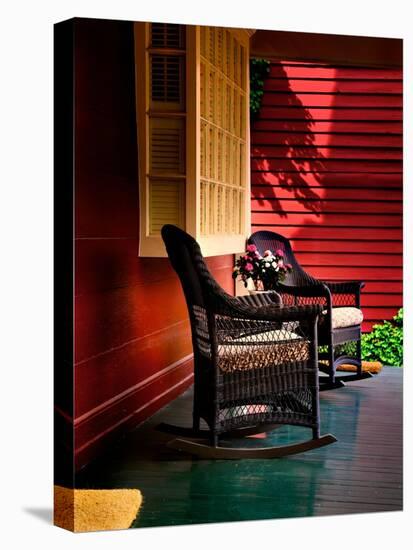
[166,205]
[167,145]
[167,35]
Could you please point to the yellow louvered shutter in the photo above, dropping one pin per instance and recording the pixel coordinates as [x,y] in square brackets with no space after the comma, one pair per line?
[193,134]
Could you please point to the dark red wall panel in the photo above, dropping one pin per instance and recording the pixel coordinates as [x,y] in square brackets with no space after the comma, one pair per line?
[132,337]
[326,160]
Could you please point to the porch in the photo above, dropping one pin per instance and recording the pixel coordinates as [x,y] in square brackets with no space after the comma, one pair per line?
[362,472]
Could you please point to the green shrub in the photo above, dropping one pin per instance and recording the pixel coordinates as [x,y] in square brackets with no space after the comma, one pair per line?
[259,70]
[385,342]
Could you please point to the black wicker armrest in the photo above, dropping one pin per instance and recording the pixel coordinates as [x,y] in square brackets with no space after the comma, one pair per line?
[260,299]
[314,290]
[345,287]
[232,307]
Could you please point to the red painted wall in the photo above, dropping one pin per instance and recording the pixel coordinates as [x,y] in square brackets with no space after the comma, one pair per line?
[327,172]
[132,340]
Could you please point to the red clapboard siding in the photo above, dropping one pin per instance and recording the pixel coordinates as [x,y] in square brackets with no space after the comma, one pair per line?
[330,220]
[347,180]
[307,85]
[323,139]
[329,206]
[321,165]
[373,300]
[354,127]
[316,70]
[347,194]
[295,112]
[335,100]
[354,247]
[340,233]
[326,172]
[339,259]
[322,154]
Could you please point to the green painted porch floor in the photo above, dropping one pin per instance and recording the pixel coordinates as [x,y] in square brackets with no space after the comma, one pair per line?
[362,472]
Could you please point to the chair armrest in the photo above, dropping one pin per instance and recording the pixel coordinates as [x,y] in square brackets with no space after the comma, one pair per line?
[316,290]
[345,287]
[260,299]
[233,307]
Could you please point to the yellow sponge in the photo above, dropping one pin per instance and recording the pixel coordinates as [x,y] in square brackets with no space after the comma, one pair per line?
[366,366]
[83,510]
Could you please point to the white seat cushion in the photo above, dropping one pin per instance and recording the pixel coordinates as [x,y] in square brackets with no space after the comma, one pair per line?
[343,317]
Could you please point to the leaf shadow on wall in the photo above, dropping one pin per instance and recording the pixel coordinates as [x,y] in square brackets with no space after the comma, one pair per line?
[284,161]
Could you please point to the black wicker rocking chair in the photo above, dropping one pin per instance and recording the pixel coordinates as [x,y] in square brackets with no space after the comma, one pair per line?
[339,327]
[255,363]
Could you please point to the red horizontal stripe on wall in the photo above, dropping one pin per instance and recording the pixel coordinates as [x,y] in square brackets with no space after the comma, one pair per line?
[326,160]
[294,177]
[369,140]
[327,206]
[329,113]
[353,127]
[354,247]
[310,71]
[356,272]
[335,258]
[380,300]
[300,192]
[298,165]
[308,99]
[318,155]
[308,85]
[388,287]
[330,220]
[379,313]
[340,233]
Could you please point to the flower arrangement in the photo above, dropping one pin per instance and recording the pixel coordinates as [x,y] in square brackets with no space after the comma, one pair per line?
[265,271]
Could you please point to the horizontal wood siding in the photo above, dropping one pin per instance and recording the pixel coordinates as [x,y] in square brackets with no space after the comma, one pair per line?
[132,336]
[326,161]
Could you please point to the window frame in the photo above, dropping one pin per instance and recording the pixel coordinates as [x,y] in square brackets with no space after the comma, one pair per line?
[217,243]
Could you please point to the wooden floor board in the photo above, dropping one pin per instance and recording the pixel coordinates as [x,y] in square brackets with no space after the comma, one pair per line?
[360,473]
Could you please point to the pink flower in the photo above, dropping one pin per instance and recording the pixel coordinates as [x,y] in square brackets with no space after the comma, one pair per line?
[267,253]
[249,267]
[288,266]
[251,248]
[280,263]
[246,257]
[279,252]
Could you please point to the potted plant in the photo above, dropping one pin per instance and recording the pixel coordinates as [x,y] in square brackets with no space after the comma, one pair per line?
[264,272]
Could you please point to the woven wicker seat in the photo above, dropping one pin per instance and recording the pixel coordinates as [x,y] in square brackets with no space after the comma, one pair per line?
[255,360]
[252,352]
[339,326]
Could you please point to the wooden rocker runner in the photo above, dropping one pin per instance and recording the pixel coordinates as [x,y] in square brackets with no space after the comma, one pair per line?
[255,363]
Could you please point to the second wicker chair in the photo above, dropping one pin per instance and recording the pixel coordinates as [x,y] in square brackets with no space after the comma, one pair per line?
[339,327]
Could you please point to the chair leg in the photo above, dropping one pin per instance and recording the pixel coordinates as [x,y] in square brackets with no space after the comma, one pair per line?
[332,374]
[353,360]
[196,422]
[358,356]
[333,383]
